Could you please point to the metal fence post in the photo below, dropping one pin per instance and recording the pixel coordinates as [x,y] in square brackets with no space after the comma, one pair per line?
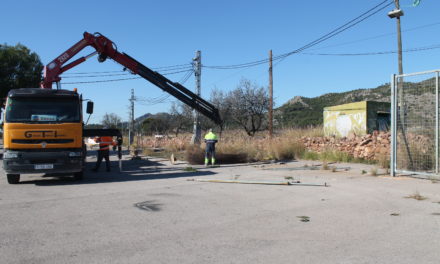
[393,126]
[436,123]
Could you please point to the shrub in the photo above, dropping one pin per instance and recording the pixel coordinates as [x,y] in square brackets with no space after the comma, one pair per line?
[196,155]
[287,149]
[310,155]
[383,160]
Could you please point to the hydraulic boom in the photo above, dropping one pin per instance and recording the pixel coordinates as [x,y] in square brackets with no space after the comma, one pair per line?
[105,48]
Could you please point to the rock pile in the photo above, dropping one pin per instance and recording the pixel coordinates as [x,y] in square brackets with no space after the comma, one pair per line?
[373,146]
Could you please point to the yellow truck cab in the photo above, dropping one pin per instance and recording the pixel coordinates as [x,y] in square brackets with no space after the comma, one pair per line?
[43,133]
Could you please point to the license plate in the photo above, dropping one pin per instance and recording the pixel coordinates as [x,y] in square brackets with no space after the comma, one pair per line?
[44,166]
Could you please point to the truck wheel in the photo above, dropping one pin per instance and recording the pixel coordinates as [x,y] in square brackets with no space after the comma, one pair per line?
[13,178]
[78,175]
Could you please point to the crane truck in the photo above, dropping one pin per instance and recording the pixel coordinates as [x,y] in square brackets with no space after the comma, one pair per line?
[43,129]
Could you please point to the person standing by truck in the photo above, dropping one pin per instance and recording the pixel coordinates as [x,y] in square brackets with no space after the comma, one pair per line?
[210,140]
[104,151]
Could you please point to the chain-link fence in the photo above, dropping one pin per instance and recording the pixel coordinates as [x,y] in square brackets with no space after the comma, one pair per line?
[415,124]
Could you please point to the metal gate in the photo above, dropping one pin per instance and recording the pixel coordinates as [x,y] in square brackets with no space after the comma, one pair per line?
[415,124]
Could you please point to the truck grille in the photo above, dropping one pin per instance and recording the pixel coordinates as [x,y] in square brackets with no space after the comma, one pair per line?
[39,141]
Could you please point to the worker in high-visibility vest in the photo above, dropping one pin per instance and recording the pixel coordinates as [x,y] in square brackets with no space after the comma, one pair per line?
[210,140]
[104,151]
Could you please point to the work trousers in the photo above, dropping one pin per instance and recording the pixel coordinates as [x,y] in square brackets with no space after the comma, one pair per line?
[210,153]
[103,154]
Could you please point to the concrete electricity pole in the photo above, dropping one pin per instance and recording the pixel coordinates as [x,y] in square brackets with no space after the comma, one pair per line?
[197,133]
[397,13]
[131,128]
[270,95]
[399,37]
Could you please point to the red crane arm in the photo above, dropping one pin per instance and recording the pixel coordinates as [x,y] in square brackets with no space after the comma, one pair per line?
[103,46]
[106,48]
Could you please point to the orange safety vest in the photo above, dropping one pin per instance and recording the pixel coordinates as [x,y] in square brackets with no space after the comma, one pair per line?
[104,142]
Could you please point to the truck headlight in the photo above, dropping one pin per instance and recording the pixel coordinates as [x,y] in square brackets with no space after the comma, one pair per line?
[9,155]
[75,154]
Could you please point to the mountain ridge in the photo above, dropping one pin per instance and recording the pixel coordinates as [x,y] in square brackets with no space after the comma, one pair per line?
[308,111]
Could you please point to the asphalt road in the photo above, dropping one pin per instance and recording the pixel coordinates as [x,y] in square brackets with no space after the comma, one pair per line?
[151,213]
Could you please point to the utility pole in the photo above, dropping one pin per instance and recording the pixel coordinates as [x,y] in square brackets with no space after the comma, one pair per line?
[399,38]
[197,64]
[270,95]
[397,13]
[131,128]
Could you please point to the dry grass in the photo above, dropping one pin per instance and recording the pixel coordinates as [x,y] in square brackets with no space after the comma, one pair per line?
[233,147]
[373,171]
[325,166]
[417,196]
[383,161]
[304,218]
[196,155]
[422,155]
[190,169]
[236,147]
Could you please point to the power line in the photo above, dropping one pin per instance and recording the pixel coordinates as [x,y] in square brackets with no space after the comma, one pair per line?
[80,73]
[121,73]
[162,69]
[338,31]
[375,53]
[101,81]
[173,66]
[174,69]
[117,80]
[367,14]
[163,98]
[92,76]
[152,101]
[342,28]
[281,57]
[186,76]
[377,36]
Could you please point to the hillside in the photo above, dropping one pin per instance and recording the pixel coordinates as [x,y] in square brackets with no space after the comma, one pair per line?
[303,111]
[141,118]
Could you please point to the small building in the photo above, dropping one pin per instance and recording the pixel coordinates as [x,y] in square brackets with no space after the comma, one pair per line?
[359,118]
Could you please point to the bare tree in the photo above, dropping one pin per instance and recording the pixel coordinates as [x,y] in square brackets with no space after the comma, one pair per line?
[111,120]
[181,117]
[220,100]
[247,106]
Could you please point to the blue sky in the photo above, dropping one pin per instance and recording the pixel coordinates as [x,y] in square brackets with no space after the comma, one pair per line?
[164,33]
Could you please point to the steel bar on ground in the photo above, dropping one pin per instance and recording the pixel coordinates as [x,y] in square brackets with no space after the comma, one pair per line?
[258,182]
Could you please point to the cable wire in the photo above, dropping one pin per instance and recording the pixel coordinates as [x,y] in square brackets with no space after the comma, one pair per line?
[163,98]
[186,76]
[93,76]
[117,80]
[367,14]
[375,53]
[161,69]
[377,36]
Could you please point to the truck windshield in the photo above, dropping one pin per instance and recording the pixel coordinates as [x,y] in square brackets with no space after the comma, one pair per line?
[42,110]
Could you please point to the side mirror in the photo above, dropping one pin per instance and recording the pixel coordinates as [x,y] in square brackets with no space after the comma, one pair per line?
[89,107]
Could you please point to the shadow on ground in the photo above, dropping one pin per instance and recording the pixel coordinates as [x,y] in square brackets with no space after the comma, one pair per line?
[133,170]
